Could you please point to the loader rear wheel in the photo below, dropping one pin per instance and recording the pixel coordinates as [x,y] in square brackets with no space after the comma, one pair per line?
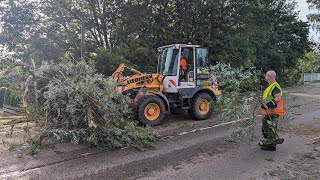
[201,106]
[150,110]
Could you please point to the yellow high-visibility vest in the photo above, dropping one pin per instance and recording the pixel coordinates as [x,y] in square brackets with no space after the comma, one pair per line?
[267,96]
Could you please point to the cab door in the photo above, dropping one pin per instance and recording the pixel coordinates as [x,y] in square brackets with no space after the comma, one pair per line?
[186,79]
[201,61]
[170,69]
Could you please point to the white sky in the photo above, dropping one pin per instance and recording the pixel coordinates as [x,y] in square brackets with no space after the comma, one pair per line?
[304,10]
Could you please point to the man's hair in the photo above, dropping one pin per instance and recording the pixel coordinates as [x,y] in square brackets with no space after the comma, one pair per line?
[272,73]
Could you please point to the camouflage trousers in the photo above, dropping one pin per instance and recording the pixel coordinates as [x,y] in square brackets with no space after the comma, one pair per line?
[269,129]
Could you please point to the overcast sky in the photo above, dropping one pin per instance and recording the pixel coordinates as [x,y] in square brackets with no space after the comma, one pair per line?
[303,7]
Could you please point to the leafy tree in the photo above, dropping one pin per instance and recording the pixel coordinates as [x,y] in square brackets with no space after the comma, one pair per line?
[265,34]
[19,23]
[314,17]
[106,62]
[307,64]
[29,33]
[285,43]
[71,102]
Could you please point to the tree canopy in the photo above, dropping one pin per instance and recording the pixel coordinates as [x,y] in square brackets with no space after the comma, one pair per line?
[314,17]
[265,34]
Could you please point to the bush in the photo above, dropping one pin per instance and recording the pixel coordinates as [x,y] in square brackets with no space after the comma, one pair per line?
[2,94]
[11,83]
[72,102]
[106,61]
[139,57]
[9,97]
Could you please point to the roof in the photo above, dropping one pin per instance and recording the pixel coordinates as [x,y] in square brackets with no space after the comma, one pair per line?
[178,46]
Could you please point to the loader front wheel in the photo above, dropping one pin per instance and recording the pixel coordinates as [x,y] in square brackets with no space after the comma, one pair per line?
[150,110]
[201,106]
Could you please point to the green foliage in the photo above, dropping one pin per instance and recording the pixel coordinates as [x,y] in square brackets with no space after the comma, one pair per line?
[18,23]
[13,119]
[263,34]
[2,94]
[239,88]
[12,84]
[67,100]
[9,97]
[139,57]
[243,129]
[314,17]
[307,64]
[239,97]
[285,39]
[144,58]
[12,98]
[107,62]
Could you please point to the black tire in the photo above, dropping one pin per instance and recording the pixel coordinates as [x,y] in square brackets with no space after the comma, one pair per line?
[196,112]
[152,103]
[177,111]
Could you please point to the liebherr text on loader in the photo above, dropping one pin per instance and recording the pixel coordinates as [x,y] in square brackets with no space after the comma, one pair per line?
[170,89]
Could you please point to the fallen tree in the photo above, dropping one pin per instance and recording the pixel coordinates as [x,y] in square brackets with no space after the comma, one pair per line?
[240,96]
[72,103]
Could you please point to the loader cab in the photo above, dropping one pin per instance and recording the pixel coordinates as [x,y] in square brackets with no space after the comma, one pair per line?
[169,65]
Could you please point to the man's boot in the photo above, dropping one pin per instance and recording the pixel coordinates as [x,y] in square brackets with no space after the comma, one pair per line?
[264,142]
[279,141]
[270,147]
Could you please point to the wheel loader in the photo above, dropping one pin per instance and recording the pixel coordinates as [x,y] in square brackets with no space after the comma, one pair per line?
[171,89]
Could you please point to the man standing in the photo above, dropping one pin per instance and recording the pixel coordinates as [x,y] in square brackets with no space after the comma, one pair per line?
[272,108]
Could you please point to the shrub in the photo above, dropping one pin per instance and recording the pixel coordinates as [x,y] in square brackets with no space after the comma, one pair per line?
[9,97]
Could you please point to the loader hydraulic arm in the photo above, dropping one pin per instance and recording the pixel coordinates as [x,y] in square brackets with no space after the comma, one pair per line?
[137,79]
[118,73]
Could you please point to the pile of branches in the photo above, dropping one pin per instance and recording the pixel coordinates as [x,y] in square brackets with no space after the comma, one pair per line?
[72,103]
[240,95]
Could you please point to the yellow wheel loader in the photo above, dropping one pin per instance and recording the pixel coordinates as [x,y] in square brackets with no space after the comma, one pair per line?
[171,89]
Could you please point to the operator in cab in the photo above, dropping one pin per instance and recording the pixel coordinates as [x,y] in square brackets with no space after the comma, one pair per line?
[183,67]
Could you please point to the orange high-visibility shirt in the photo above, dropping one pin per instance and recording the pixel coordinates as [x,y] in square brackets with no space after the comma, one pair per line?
[183,64]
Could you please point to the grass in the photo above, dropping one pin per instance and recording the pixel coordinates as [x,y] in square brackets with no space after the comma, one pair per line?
[14,146]
[12,120]
[308,155]
[316,141]
[13,117]
[144,145]
[187,125]
[15,121]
